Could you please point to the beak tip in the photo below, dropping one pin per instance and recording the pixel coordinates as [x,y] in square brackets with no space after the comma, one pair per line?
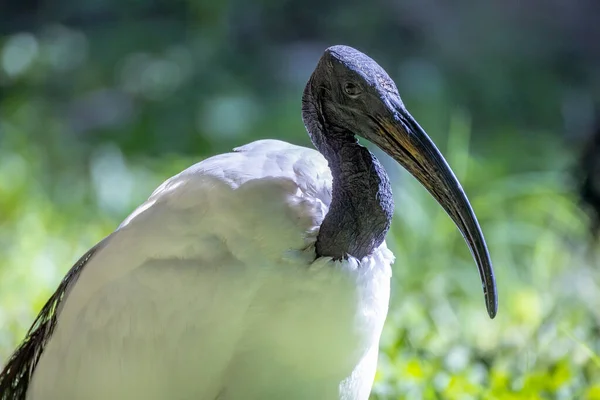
[492,306]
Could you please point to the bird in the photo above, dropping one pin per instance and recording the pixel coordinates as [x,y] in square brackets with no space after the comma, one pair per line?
[262,273]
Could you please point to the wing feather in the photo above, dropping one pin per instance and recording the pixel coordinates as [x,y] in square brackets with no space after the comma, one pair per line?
[17,373]
[206,237]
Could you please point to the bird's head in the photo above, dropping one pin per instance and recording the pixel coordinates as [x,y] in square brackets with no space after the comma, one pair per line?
[349,92]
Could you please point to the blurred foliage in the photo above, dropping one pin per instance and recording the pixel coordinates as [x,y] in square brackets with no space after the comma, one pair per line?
[544,343]
[100,101]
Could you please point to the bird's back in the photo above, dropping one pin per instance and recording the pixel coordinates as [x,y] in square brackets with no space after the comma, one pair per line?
[210,290]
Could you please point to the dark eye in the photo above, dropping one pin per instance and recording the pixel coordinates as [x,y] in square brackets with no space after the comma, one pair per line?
[352,89]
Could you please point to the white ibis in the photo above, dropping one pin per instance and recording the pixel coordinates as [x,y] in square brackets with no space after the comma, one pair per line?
[257,274]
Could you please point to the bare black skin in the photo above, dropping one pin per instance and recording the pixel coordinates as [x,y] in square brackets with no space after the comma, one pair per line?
[348,95]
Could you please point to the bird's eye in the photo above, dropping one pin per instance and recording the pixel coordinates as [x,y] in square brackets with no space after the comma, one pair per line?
[352,89]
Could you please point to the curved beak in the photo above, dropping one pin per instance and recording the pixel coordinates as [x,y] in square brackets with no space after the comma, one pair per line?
[401,137]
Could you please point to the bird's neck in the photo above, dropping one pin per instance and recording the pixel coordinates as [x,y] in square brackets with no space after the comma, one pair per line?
[361,208]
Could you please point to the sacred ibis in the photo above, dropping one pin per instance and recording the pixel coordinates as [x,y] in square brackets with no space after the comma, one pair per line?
[257,274]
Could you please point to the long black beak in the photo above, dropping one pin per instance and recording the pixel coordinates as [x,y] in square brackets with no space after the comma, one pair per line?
[405,141]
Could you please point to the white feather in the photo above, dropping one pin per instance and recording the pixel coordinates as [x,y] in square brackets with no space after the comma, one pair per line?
[210,290]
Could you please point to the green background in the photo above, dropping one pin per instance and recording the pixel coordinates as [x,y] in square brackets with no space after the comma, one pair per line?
[101,100]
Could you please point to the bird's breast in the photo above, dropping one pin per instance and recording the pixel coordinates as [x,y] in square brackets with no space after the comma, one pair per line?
[313,326]
[329,313]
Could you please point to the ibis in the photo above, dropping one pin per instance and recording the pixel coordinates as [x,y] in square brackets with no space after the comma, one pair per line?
[258,274]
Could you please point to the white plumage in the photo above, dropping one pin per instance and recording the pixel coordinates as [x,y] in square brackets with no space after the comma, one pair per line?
[210,290]
[238,279]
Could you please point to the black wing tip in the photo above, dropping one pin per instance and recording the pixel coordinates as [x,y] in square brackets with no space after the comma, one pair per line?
[16,374]
[14,378]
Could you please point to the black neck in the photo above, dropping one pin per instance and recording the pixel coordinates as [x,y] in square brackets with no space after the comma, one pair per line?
[361,208]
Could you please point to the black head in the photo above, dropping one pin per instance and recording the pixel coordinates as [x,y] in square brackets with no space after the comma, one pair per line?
[349,95]
[349,88]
